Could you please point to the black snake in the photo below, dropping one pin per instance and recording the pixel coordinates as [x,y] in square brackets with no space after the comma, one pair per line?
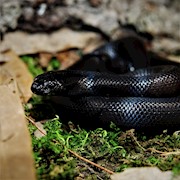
[143,99]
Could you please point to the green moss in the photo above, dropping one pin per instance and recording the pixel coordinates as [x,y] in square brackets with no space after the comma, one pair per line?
[54,64]
[33,65]
[105,147]
[176,168]
[36,69]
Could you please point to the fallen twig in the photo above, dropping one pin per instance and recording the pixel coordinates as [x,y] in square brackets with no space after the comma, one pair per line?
[90,162]
[74,153]
[164,153]
[31,120]
[131,133]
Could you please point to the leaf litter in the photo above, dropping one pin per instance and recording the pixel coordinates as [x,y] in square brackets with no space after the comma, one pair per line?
[16,150]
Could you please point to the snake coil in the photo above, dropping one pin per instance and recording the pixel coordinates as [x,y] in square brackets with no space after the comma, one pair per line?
[144,99]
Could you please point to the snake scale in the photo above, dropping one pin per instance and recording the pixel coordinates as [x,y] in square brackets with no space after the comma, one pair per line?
[147,98]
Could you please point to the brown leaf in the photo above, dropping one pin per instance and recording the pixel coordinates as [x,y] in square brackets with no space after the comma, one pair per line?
[44,58]
[19,70]
[166,45]
[67,58]
[24,43]
[16,151]
[3,58]
[174,58]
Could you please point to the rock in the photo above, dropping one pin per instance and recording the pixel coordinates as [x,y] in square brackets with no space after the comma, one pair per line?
[143,173]
[10,11]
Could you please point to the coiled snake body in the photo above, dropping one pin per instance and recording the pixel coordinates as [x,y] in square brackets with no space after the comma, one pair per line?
[143,99]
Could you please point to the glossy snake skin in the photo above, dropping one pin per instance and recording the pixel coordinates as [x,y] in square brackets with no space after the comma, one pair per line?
[147,98]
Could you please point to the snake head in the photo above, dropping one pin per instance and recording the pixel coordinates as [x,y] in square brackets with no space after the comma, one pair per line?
[47,84]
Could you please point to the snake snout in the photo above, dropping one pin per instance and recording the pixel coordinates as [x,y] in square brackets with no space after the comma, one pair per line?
[46,84]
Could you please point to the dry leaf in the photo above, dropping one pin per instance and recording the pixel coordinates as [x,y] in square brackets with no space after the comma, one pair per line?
[24,43]
[174,58]
[44,58]
[19,70]
[16,151]
[67,58]
[3,58]
[144,173]
[166,45]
